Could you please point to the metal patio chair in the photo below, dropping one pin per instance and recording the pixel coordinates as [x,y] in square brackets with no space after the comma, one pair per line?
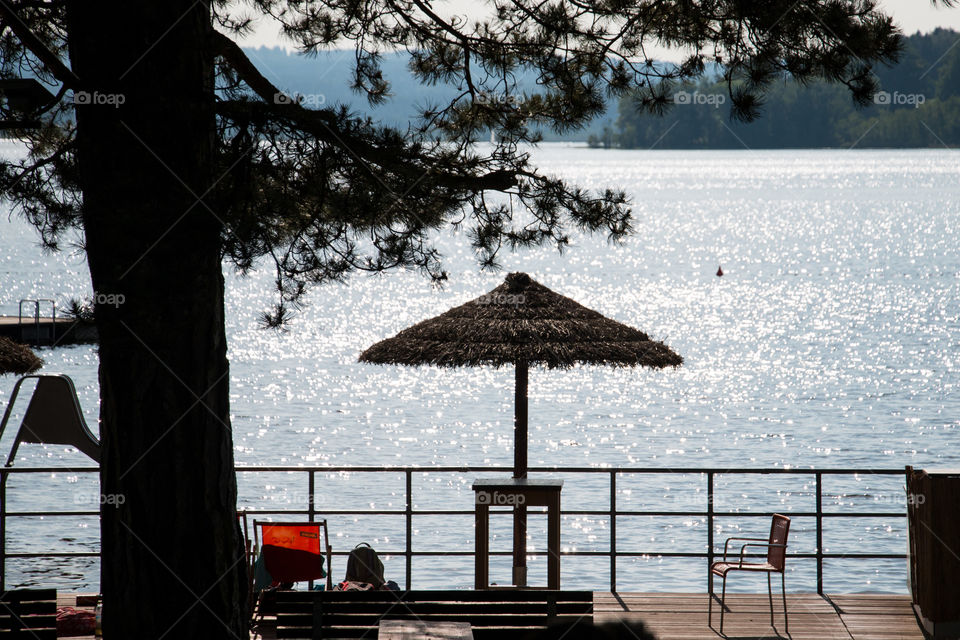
[776,546]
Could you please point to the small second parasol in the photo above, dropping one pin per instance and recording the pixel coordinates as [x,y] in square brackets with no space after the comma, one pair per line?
[17,358]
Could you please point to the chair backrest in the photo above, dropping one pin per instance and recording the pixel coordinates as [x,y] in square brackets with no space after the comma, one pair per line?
[291,535]
[53,416]
[29,614]
[292,551]
[779,528]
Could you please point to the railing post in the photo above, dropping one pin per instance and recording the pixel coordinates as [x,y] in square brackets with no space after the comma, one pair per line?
[819,533]
[36,319]
[408,514]
[709,518]
[613,531]
[311,496]
[3,527]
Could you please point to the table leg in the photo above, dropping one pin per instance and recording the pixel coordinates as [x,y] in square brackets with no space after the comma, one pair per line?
[482,550]
[520,545]
[553,542]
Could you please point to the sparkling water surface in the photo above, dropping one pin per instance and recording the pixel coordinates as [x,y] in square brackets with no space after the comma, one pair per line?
[831,341]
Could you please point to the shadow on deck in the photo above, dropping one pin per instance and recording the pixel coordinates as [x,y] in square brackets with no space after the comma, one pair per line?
[683,616]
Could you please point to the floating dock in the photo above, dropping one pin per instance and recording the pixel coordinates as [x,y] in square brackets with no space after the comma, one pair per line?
[47,331]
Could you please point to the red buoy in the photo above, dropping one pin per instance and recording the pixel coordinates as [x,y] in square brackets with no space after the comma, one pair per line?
[719,271]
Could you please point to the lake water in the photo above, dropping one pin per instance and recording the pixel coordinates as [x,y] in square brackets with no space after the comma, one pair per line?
[831,341]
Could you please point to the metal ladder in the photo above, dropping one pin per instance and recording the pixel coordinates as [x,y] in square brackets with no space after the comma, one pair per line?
[36,319]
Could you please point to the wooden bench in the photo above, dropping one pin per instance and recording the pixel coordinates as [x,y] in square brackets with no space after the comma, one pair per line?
[492,614]
[407,629]
[28,613]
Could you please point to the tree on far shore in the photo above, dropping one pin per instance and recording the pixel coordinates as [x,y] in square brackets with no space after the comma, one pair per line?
[918,105]
[171,153]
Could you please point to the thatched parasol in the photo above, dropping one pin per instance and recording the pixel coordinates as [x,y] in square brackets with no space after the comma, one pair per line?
[16,358]
[521,322]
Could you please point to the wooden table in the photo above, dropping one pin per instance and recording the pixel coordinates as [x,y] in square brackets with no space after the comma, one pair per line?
[418,630]
[518,493]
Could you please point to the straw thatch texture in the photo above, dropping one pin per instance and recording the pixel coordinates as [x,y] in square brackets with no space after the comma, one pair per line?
[521,320]
[16,358]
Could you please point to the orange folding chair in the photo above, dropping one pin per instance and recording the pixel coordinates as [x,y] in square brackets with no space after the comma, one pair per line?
[249,557]
[294,551]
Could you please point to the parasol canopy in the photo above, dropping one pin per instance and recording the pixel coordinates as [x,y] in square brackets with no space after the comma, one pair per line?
[17,358]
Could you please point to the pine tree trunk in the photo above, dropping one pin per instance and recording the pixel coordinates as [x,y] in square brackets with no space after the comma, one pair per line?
[172,559]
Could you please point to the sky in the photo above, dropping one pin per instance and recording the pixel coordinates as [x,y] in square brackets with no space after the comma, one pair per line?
[910,15]
[921,15]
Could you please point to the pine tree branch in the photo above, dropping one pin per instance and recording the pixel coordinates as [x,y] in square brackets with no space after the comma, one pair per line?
[56,66]
[322,124]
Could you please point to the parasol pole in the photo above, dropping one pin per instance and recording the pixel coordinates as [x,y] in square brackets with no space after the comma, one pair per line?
[520,421]
[520,472]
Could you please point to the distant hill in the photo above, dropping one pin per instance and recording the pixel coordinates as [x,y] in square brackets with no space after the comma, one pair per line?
[918,106]
[325,78]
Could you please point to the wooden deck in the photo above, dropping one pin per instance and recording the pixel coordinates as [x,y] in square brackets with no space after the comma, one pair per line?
[683,616]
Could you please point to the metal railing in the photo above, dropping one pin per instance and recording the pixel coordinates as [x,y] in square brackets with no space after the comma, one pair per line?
[36,319]
[613,553]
